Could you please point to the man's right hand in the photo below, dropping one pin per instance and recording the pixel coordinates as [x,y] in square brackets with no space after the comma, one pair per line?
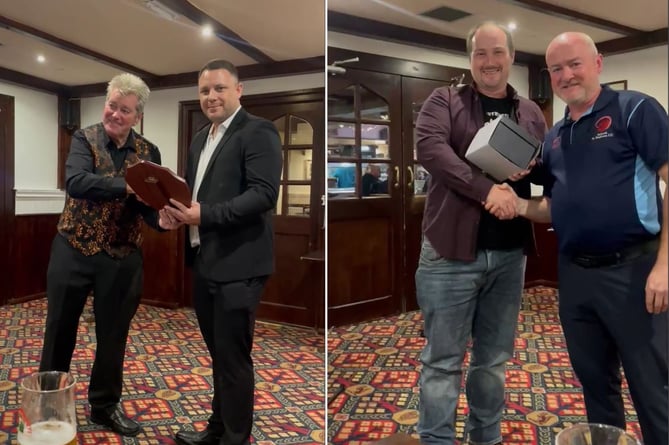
[502,201]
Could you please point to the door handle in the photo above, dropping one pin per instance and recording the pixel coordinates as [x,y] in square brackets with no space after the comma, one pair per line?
[410,170]
[396,179]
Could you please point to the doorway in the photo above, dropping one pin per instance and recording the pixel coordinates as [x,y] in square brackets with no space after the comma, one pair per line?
[374,231]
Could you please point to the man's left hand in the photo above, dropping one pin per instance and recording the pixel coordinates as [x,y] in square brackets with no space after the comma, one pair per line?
[520,175]
[190,216]
[167,221]
[657,288]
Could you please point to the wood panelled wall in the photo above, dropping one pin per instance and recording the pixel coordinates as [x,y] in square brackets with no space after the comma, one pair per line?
[33,235]
[32,238]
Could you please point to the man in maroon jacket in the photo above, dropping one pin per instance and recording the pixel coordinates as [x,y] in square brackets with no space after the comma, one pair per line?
[471,270]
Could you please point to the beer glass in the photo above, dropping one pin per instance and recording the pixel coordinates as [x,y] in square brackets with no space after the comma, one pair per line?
[594,434]
[47,415]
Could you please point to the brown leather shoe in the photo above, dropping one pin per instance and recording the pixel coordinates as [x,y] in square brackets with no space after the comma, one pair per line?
[204,437]
[116,420]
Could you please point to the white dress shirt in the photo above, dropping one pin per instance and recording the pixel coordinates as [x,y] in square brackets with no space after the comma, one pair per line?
[213,139]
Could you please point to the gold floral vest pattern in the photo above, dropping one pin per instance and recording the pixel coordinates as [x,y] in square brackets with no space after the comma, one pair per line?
[110,226]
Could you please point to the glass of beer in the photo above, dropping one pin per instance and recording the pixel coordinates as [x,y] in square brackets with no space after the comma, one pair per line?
[594,434]
[47,415]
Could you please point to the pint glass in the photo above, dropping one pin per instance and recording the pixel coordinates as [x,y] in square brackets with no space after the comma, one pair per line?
[47,415]
[594,434]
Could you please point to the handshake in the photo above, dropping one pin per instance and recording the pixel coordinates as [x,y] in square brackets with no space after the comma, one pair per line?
[503,203]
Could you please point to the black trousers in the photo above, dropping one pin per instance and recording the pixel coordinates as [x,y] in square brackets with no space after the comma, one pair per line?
[605,323]
[116,286]
[226,313]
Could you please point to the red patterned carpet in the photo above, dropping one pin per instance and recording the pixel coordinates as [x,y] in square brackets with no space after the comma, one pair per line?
[374,367]
[168,379]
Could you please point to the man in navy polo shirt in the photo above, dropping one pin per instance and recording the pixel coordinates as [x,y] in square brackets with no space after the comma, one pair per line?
[603,197]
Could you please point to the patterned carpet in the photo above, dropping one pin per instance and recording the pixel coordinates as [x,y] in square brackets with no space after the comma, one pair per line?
[374,368]
[168,378]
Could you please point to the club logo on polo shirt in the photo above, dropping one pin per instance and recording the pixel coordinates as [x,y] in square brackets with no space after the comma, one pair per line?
[602,125]
[556,142]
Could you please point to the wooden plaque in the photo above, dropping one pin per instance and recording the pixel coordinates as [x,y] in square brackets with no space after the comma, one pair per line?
[156,184]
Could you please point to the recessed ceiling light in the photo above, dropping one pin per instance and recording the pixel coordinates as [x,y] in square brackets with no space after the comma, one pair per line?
[207,31]
[512,26]
[41,58]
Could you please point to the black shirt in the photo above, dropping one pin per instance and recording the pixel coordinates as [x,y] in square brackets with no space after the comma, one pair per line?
[495,234]
[81,179]
[83,182]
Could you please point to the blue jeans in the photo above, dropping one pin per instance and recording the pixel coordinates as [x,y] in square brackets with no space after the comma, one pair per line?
[462,300]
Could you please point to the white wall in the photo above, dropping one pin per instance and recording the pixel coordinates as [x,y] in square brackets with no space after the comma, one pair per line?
[35,136]
[36,129]
[644,70]
[518,77]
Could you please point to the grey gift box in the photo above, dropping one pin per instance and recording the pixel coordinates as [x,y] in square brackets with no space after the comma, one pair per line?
[502,148]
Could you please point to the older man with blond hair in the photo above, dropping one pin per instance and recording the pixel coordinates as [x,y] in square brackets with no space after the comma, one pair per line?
[97,248]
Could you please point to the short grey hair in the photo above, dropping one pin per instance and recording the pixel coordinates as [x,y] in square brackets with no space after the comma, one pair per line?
[470,35]
[126,84]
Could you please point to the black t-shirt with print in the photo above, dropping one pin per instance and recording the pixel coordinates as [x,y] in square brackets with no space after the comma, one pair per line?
[495,234]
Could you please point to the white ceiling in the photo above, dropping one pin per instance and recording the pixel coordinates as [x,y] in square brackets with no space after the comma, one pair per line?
[126,30]
[130,33]
[535,29]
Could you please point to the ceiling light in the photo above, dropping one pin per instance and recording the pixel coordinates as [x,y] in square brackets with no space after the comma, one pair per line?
[512,26]
[207,31]
[41,58]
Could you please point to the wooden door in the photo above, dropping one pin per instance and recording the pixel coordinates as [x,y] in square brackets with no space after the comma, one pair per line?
[291,295]
[414,93]
[364,261]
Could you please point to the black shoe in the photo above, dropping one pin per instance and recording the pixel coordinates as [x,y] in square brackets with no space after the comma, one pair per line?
[115,419]
[204,437]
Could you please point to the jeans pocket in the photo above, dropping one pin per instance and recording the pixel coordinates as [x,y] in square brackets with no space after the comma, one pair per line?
[428,253]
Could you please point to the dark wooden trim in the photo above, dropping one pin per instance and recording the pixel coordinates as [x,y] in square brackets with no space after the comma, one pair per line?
[546,105]
[359,311]
[185,107]
[573,16]
[70,47]
[33,82]
[283,97]
[64,138]
[7,206]
[26,298]
[199,17]
[363,27]
[246,72]
[161,303]
[535,283]
[392,65]
[636,42]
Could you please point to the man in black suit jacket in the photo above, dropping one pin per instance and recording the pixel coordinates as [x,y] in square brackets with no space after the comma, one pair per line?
[234,168]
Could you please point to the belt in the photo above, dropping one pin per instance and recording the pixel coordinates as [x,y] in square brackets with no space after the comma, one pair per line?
[611,259]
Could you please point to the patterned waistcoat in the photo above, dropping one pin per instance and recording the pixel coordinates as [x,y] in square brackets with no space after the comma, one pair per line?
[110,226]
